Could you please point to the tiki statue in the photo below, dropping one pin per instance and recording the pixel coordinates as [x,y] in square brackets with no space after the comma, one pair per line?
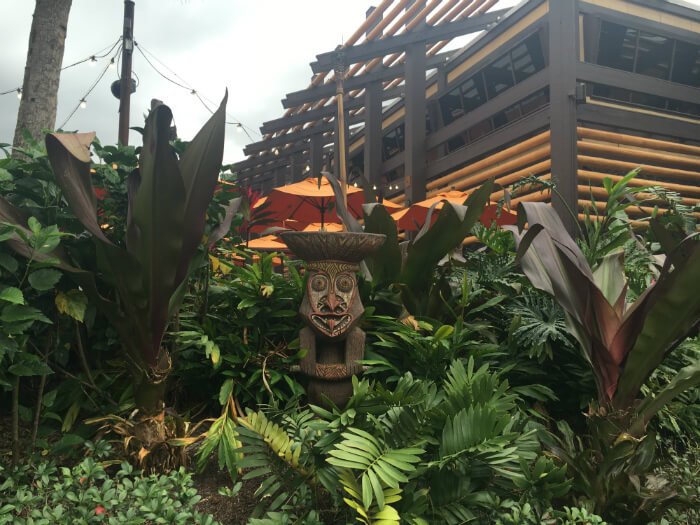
[331,309]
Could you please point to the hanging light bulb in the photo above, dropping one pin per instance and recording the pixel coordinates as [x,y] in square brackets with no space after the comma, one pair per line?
[239,127]
[307,169]
[112,64]
[374,186]
[193,92]
[276,151]
[355,184]
[93,60]
[19,93]
[83,103]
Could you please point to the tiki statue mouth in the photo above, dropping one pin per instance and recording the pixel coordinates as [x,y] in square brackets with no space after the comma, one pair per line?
[331,325]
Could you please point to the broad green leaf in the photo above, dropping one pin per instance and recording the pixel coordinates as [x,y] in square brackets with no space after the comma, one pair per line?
[385,264]
[14,313]
[45,279]
[225,391]
[8,262]
[72,303]
[610,278]
[29,365]
[12,295]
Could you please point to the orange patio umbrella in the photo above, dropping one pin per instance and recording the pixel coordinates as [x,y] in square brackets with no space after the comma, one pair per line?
[270,243]
[329,227]
[413,217]
[308,201]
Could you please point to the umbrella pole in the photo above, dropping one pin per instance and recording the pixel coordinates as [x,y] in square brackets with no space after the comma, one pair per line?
[339,70]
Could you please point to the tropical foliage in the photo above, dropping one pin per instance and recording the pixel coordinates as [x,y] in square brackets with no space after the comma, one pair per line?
[536,379]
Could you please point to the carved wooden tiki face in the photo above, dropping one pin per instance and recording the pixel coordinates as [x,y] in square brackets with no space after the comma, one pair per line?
[331,305]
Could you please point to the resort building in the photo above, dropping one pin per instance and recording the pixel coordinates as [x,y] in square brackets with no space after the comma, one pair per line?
[571,91]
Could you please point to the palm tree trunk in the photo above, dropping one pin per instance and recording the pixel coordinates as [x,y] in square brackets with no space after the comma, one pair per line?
[42,71]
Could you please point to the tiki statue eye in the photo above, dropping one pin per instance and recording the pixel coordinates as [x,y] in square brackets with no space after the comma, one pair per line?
[318,283]
[344,283]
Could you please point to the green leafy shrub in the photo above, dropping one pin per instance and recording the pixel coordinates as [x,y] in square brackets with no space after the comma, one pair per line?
[422,452]
[44,494]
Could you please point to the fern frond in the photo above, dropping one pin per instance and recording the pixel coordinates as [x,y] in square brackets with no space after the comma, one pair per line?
[379,466]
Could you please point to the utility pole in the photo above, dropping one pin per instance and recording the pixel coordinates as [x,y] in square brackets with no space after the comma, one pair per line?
[125,86]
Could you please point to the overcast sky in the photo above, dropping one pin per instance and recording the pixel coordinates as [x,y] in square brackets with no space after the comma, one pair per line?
[258,49]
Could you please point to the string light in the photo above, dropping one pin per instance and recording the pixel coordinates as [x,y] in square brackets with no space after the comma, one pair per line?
[374,186]
[145,53]
[83,103]
[276,151]
[112,64]
[355,184]
[307,169]
[19,93]
[93,60]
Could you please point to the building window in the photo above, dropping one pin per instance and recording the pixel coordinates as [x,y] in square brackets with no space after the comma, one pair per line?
[646,101]
[393,142]
[686,64]
[523,61]
[654,55]
[649,54]
[451,106]
[499,76]
[527,58]
[618,46]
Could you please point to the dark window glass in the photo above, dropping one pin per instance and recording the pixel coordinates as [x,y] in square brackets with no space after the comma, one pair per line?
[618,45]
[393,142]
[479,130]
[687,108]
[654,55]
[455,143]
[686,64]
[473,93]
[527,58]
[645,100]
[498,76]
[534,101]
[451,106]
[507,115]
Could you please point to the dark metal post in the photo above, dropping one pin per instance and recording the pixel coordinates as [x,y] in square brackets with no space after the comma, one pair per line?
[414,145]
[316,154]
[563,57]
[125,86]
[373,133]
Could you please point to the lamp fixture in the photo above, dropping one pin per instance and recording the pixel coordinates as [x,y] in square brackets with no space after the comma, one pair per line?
[83,103]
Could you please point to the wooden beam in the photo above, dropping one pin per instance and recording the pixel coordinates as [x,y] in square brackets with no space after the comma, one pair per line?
[563,57]
[641,83]
[316,155]
[261,160]
[296,136]
[394,44]
[312,94]
[282,123]
[619,117]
